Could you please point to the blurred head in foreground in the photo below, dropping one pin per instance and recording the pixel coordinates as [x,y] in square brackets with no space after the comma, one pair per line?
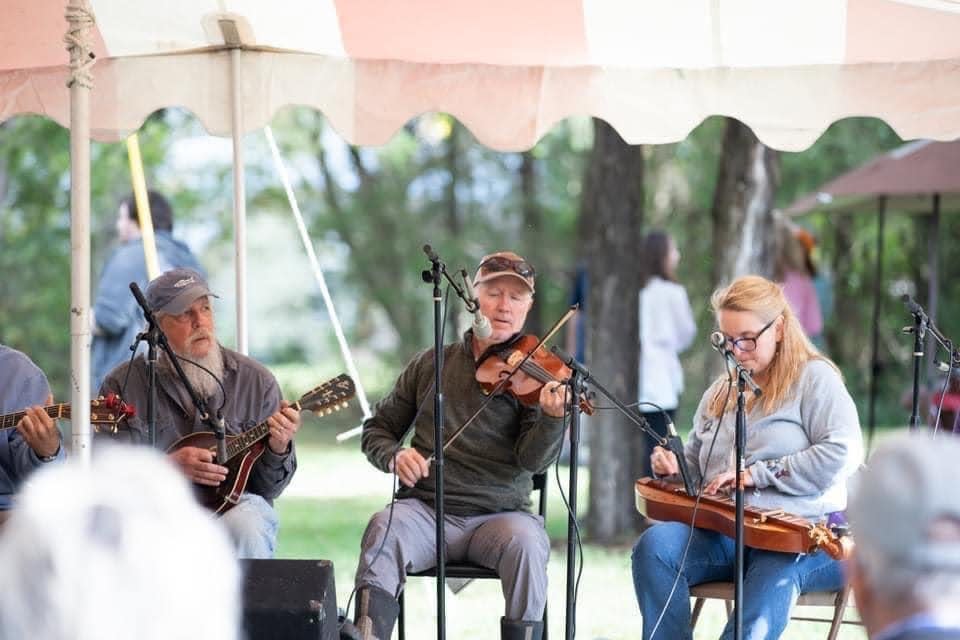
[117,549]
[905,516]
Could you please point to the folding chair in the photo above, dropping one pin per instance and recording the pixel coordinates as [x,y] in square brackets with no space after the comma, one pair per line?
[469,571]
[725,591]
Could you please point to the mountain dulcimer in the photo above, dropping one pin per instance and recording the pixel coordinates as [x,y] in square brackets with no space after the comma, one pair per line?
[768,530]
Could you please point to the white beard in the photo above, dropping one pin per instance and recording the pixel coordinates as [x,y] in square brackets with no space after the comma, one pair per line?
[204,383]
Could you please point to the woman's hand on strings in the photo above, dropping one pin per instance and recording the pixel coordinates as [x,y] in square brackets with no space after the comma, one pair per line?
[724,482]
[664,462]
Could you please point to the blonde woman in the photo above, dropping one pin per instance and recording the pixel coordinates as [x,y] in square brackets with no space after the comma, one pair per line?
[803,441]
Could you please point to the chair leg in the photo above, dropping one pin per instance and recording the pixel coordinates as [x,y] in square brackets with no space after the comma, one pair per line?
[400,618]
[545,634]
[695,615]
[839,607]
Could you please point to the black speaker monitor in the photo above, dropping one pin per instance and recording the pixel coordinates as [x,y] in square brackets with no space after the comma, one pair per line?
[289,599]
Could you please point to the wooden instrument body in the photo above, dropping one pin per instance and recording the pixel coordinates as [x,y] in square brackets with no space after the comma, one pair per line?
[226,495]
[244,449]
[771,531]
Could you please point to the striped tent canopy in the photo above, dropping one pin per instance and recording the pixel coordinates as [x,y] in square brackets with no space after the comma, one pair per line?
[508,70]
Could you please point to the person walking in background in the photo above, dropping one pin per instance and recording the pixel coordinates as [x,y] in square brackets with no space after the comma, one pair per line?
[667,328]
[116,318]
[905,512]
[795,270]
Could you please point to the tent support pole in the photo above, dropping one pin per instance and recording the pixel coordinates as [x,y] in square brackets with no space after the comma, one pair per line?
[239,201]
[80,21]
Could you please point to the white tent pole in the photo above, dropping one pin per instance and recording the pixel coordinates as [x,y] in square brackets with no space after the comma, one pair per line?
[80,21]
[317,271]
[239,201]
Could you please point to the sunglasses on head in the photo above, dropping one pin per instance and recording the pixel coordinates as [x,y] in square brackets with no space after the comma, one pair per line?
[502,263]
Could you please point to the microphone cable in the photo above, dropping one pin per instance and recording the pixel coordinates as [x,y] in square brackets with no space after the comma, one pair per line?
[696,507]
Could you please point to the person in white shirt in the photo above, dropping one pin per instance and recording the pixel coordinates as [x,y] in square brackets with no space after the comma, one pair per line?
[667,328]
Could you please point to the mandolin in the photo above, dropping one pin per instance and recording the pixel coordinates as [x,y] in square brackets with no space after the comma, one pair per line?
[244,449]
[768,530]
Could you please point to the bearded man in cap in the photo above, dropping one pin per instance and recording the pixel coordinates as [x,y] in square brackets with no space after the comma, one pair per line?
[487,474]
[905,515]
[180,302]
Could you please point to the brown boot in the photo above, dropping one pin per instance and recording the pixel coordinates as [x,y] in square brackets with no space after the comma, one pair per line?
[520,630]
[376,613]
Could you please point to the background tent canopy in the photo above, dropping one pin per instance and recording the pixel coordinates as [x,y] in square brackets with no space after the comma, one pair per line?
[507,70]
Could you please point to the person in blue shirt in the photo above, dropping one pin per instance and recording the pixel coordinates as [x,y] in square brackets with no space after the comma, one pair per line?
[35,440]
[116,317]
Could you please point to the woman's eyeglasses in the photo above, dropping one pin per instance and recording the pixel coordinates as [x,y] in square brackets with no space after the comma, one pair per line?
[502,263]
[749,344]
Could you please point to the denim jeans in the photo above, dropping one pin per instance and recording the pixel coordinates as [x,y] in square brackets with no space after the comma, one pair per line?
[252,525]
[771,580]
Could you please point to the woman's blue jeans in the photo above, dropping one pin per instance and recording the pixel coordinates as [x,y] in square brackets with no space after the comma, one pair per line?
[771,580]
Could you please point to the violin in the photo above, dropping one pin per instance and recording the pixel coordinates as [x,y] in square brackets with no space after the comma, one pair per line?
[533,372]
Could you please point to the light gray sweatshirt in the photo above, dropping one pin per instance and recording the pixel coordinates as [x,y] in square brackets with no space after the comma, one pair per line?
[799,456]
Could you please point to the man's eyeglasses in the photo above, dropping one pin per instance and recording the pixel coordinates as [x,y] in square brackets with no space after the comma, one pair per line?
[749,344]
[502,263]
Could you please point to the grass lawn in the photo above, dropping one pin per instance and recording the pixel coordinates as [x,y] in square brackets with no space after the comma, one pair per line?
[325,510]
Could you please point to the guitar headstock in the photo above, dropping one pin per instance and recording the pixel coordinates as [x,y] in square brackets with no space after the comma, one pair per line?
[328,397]
[109,412]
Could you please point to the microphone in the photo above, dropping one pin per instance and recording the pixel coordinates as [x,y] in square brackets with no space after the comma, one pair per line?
[431,254]
[481,324]
[718,340]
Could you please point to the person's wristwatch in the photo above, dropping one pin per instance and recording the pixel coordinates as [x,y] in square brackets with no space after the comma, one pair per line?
[50,458]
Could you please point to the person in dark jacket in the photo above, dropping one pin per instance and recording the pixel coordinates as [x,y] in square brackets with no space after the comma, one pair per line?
[242,389]
[116,317]
[487,471]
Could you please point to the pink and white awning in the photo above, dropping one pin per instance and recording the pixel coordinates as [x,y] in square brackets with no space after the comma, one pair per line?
[509,70]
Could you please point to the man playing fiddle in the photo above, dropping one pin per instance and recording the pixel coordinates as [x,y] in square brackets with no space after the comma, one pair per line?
[487,472]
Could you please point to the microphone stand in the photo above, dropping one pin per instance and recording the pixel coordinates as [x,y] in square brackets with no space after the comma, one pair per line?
[576,385]
[919,330]
[744,379]
[922,324]
[433,275]
[580,375]
[154,337]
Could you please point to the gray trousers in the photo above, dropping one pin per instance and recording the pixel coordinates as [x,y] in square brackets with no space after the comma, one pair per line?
[514,543]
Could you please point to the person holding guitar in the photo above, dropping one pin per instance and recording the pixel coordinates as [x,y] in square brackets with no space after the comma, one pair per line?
[249,396]
[803,441]
[487,471]
[36,439]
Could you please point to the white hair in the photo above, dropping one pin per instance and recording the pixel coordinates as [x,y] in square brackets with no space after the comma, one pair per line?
[117,549]
[907,587]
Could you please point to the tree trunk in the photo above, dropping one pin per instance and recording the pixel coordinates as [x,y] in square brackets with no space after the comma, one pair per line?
[743,225]
[609,233]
